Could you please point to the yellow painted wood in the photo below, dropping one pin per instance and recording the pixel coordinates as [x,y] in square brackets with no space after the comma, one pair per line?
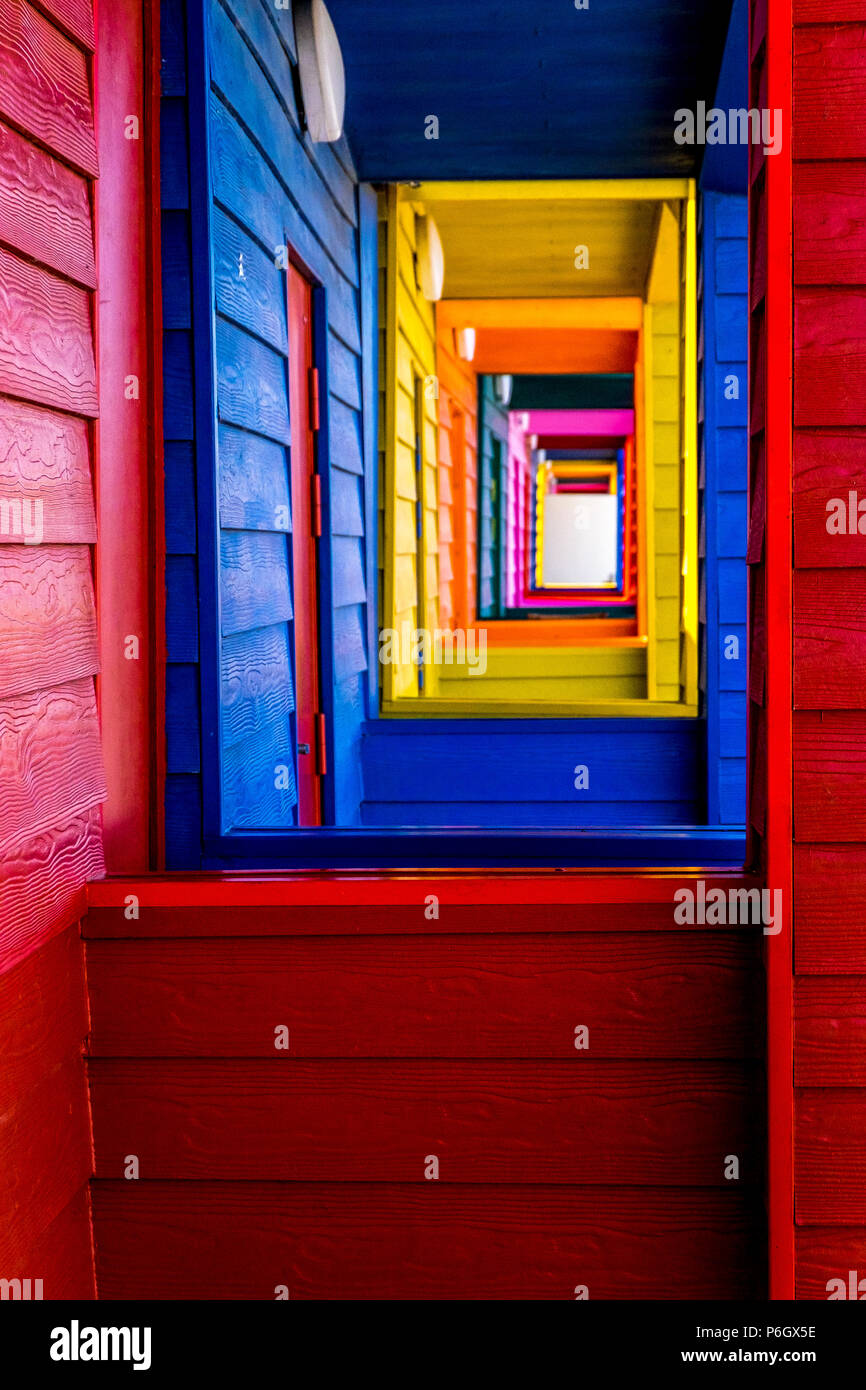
[690,452]
[546,190]
[479,708]
[622,314]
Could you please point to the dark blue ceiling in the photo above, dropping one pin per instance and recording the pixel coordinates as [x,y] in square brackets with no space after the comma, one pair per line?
[526,90]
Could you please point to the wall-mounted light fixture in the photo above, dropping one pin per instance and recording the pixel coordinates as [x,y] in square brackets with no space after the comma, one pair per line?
[502,386]
[464,338]
[320,66]
[429,257]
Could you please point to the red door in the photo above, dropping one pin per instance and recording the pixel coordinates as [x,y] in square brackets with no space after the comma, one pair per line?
[306,526]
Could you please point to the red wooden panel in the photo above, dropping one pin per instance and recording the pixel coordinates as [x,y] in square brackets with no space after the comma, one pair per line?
[46,347]
[827,468]
[830,1151]
[825,1254]
[45,86]
[50,759]
[830,1031]
[45,209]
[667,1124]
[75,16]
[63,1253]
[123,205]
[829,770]
[45,457]
[758,361]
[47,617]
[830,91]
[43,1014]
[827,11]
[45,1157]
[440,1242]
[829,357]
[41,888]
[830,908]
[469,996]
[758,244]
[830,639]
[830,223]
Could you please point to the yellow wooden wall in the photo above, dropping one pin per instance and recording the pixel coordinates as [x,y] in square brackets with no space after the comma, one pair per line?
[408,415]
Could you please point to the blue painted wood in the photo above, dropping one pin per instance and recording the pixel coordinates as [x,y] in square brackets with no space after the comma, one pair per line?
[368,248]
[177,385]
[531,815]
[348,571]
[257,683]
[725,168]
[182,727]
[174,167]
[474,761]
[172,35]
[180,530]
[181,608]
[564,70]
[176,256]
[347,503]
[250,289]
[252,387]
[258,780]
[350,655]
[723,444]
[253,482]
[183,822]
[254,580]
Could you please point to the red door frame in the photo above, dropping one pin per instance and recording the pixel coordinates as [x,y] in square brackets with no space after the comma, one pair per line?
[128,323]
[306,527]
[779,650]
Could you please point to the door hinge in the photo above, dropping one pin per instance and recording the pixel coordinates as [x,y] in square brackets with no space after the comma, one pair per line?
[321,745]
[316,505]
[315,407]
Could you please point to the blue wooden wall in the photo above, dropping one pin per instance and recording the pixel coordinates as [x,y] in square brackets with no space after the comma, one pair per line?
[262,185]
[723,351]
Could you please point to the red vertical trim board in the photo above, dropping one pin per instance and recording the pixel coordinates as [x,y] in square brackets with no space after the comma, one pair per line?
[152,77]
[121,435]
[779,334]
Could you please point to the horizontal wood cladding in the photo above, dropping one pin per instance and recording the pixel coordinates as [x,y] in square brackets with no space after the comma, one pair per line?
[45,460]
[828,466]
[400,1242]
[830,1030]
[830,639]
[830,899]
[41,889]
[825,1254]
[830,89]
[830,1148]
[829,757]
[367,1121]
[46,338]
[43,1014]
[47,617]
[45,211]
[45,86]
[420,996]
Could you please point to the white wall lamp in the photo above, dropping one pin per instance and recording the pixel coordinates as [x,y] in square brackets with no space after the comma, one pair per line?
[429,257]
[320,67]
[464,338]
[502,387]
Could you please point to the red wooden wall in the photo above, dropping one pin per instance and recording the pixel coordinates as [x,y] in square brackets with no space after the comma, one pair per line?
[50,762]
[426,1018]
[829,578]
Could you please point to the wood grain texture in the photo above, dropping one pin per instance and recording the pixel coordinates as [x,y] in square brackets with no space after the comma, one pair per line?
[830,357]
[830,86]
[41,891]
[45,209]
[46,342]
[441,1242]
[577,1121]
[45,1156]
[828,467]
[830,639]
[829,756]
[44,85]
[830,223]
[75,16]
[825,1253]
[43,1013]
[63,1253]
[829,1155]
[830,1030]
[830,909]
[47,617]
[470,996]
[45,457]
[50,759]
